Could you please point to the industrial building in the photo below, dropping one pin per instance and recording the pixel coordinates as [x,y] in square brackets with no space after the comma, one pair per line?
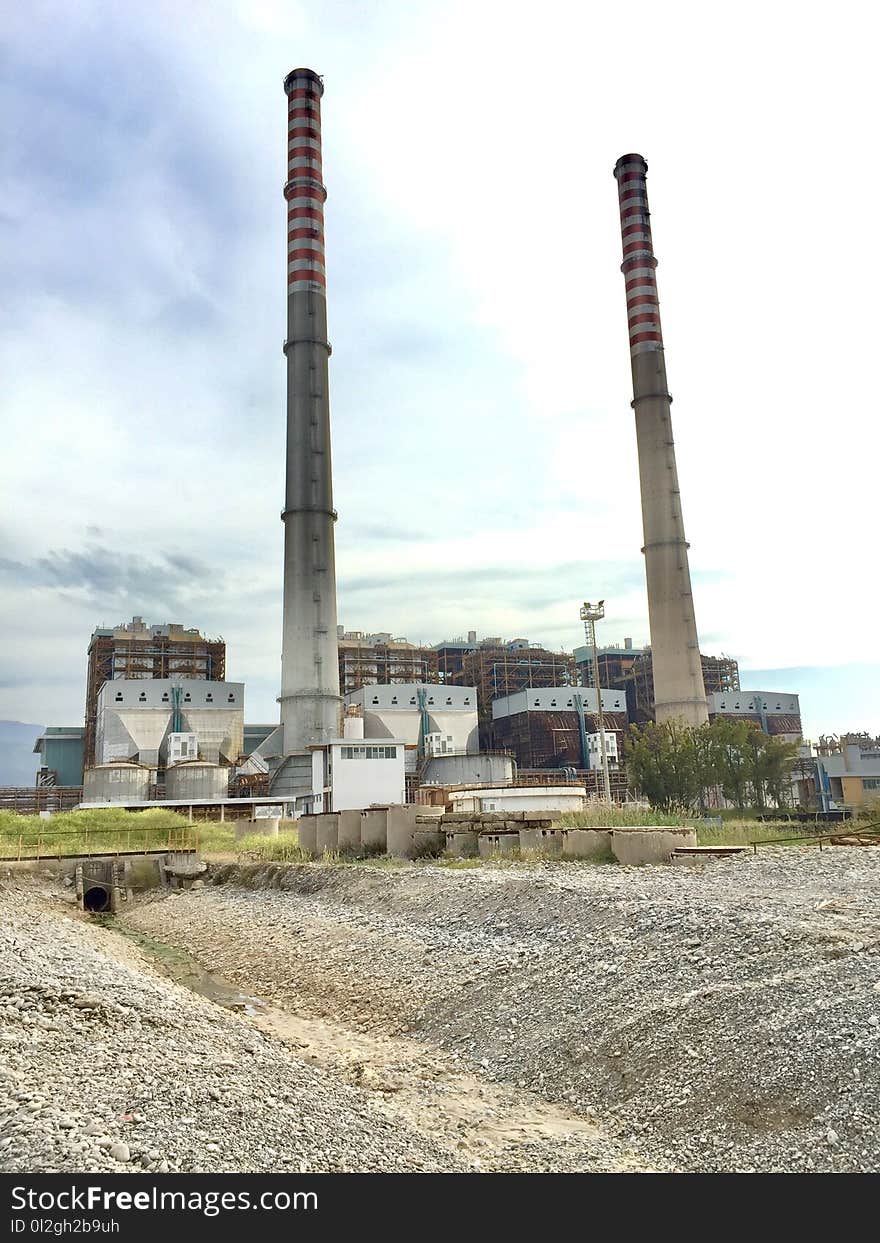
[365,659]
[158,721]
[776,713]
[497,668]
[631,669]
[424,716]
[550,728]
[60,748]
[843,773]
[136,650]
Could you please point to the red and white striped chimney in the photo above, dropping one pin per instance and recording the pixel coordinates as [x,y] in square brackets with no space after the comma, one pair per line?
[679,692]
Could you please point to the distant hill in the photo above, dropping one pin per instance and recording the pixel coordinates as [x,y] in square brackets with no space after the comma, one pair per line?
[18,764]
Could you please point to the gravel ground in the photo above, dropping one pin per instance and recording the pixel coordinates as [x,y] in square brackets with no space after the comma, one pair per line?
[724,1016]
[104,1066]
[555,1016]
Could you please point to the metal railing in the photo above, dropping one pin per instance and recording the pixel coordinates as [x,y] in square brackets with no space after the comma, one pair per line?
[28,844]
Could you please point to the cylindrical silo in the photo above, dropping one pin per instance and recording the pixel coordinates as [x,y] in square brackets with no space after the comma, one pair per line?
[116,783]
[196,779]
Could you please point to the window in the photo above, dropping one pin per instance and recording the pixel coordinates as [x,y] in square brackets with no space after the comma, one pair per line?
[369,753]
[119,699]
[871,783]
[209,698]
[142,697]
[230,698]
[187,698]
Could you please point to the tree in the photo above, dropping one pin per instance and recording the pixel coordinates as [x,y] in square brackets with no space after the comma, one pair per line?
[662,763]
[675,766]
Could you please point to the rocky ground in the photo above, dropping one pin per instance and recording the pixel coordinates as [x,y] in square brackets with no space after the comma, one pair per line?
[724,1016]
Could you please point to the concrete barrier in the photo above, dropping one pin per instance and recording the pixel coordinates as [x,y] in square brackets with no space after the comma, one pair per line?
[401,825]
[586,843]
[374,830]
[544,841]
[266,826]
[307,834]
[491,845]
[650,844]
[461,843]
[327,833]
[426,842]
[349,831]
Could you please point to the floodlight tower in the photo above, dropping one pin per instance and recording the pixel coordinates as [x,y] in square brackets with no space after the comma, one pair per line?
[590,614]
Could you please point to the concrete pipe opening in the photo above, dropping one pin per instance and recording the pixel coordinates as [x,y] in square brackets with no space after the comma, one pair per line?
[96,898]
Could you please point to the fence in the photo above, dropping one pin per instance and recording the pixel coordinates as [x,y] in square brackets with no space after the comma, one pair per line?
[46,843]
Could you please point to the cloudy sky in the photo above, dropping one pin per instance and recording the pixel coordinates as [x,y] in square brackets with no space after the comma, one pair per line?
[484,451]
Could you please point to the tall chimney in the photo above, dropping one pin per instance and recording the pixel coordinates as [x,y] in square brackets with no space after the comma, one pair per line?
[678,676]
[311,708]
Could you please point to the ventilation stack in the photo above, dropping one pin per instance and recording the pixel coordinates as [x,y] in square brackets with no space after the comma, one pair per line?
[678,676]
[311,707]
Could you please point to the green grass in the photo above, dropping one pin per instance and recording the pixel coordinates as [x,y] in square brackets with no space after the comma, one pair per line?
[615,817]
[80,832]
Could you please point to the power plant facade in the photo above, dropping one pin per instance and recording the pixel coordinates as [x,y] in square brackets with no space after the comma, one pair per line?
[311,707]
[678,678]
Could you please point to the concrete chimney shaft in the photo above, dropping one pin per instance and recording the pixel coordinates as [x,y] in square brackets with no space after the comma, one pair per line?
[678,677]
[311,708]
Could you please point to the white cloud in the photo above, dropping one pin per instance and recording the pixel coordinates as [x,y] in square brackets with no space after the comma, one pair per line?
[480,377]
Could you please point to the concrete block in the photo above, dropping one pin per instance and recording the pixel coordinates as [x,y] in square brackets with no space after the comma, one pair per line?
[264,827]
[374,829]
[457,817]
[636,845]
[427,842]
[327,836]
[401,825]
[494,844]
[544,841]
[461,843]
[586,843]
[307,834]
[349,830]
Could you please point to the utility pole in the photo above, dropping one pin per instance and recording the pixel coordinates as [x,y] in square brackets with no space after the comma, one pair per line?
[590,614]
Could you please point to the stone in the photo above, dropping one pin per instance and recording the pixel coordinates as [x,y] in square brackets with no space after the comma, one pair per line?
[120,1151]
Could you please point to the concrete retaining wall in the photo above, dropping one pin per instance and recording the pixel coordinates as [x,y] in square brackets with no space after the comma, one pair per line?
[543,840]
[307,831]
[461,843]
[586,843]
[374,829]
[349,830]
[327,833]
[651,844]
[266,826]
[494,844]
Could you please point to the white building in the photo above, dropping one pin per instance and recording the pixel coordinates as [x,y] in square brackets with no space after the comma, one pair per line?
[137,716]
[364,773]
[401,710]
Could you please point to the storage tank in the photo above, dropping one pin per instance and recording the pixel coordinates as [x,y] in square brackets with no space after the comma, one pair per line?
[116,783]
[196,779]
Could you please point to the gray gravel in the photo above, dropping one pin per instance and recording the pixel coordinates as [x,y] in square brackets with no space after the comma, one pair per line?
[724,1016]
[551,1016]
[104,1066]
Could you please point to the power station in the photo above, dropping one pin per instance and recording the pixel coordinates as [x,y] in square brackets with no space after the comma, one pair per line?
[372,718]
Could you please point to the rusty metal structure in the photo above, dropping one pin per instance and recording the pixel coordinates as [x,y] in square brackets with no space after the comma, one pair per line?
[136,650]
[720,673]
[551,740]
[380,659]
